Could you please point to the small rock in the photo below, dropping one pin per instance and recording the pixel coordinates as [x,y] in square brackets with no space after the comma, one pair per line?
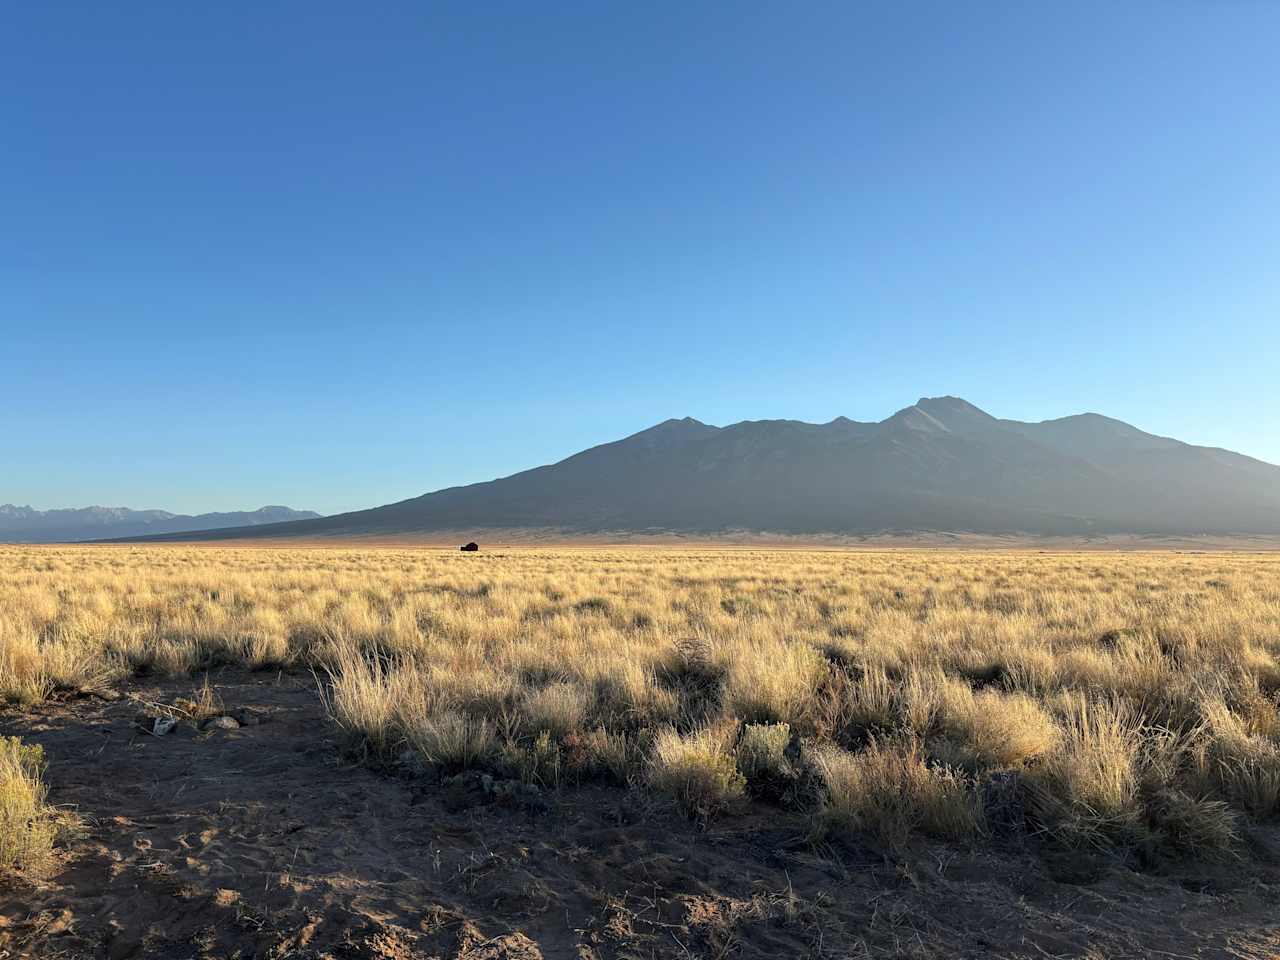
[112,695]
[221,723]
[248,717]
[159,726]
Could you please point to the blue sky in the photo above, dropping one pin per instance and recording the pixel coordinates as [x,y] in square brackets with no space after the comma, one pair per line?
[333,255]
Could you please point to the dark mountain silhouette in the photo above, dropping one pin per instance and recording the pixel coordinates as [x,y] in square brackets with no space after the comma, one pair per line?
[25,525]
[939,465]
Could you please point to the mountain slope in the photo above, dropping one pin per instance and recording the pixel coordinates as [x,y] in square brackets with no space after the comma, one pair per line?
[940,464]
[26,525]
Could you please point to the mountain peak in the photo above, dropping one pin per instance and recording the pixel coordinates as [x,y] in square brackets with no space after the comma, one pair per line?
[673,431]
[956,415]
[940,464]
[947,403]
[675,423]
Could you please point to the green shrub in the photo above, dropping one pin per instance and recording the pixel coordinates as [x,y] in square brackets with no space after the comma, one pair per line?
[697,770]
[762,753]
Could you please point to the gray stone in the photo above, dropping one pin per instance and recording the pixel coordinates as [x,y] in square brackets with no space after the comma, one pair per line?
[248,717]
[162,725]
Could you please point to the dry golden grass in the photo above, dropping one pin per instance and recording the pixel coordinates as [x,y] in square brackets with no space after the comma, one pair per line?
[27,827]
[891,790]
[1131,697]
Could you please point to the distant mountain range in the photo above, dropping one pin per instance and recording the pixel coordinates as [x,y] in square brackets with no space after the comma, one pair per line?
[26,525]
[939,465]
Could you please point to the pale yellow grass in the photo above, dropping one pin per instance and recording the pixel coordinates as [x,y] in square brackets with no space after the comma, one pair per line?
[862,678]
[27,827]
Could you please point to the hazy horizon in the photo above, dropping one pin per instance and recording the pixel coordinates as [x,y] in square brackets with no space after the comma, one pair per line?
[316,257]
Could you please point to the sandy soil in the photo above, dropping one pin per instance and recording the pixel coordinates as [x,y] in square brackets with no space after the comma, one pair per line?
[262,843]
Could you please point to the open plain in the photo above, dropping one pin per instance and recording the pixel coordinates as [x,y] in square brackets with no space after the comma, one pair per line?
[596,752]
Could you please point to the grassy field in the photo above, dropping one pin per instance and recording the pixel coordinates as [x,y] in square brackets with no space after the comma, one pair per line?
[1114,701]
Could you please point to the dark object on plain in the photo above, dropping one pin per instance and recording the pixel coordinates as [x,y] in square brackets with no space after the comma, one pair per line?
[470,547]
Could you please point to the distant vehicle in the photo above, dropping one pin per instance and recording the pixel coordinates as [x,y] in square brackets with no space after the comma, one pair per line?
[471,547]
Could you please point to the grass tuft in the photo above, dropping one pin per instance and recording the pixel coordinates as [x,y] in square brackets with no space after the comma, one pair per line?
[27,828]
[889,791]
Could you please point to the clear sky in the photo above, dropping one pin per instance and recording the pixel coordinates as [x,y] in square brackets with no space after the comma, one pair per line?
[333,254]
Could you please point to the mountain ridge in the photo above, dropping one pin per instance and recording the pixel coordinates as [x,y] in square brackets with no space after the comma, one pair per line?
[25,524]
[941,464]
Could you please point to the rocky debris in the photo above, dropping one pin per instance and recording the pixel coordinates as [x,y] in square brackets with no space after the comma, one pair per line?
[221,723]
[513,946]
[442,934]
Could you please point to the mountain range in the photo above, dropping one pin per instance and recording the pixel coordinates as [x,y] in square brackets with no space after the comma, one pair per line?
[940,464]
[27,525]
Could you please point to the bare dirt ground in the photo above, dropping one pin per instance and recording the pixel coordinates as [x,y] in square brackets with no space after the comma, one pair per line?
[262,842]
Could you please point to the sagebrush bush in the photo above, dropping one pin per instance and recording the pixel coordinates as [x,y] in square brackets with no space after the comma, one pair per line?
[762,752]
[557,709]
[698,770]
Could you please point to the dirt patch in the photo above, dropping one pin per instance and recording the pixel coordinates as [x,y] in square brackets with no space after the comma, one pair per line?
[258,842]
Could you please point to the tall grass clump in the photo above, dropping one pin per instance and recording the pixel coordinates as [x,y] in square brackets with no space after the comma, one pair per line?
[1088,787]
[27,828]
[369,699]
[991,729]
[889,791]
